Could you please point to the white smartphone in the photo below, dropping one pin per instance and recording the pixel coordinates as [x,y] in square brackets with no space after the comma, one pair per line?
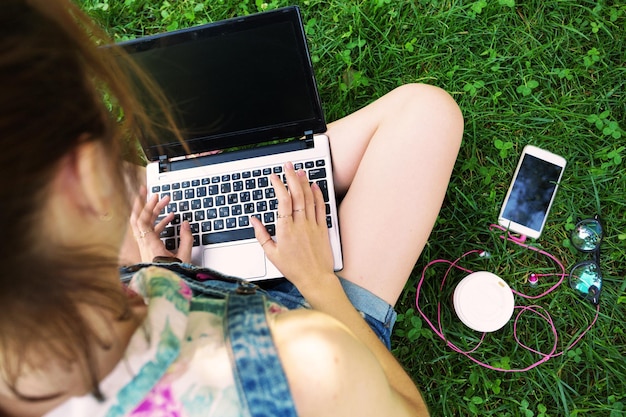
[532,191]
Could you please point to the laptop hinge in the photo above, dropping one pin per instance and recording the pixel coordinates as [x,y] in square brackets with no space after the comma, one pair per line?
[308,138]
[164,164]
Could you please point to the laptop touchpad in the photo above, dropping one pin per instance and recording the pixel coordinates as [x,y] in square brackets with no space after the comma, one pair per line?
[246,260]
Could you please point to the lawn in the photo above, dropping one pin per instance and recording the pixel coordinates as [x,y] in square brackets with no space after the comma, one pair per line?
[550,73]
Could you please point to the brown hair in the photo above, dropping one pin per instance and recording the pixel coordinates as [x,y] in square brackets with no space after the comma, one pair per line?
[53,79]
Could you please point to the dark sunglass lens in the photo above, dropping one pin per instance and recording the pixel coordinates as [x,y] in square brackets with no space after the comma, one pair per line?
[587,235]
[584,276]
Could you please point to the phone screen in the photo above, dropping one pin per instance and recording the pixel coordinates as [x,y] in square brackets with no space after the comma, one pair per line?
[532,192]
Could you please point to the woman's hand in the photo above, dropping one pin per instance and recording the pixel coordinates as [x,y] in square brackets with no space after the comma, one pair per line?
[143,222]
[302,250]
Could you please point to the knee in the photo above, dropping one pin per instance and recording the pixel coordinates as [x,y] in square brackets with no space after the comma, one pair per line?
[437,97]
[433,104]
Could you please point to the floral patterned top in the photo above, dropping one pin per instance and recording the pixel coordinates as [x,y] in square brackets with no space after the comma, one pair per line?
[176,364]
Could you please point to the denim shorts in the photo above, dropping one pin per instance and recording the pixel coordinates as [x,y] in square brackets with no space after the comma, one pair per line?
[378,314]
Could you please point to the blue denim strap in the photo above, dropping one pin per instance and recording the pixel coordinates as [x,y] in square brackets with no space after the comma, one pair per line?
[259,374]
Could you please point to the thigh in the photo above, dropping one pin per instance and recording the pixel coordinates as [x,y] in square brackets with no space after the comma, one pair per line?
[392,162]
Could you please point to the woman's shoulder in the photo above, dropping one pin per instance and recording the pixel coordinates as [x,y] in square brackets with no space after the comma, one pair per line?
[307,338]
[330,372]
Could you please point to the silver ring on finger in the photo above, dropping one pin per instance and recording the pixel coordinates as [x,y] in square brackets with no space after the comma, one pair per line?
[283,216]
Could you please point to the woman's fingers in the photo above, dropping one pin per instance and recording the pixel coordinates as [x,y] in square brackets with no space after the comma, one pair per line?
[144,214]
[307,193]
[262,235]
[157,211]
[301,249]
[302,199]
[283,197]
[147,230]
[186,242]
[319,205]
[296,191]
[149,214]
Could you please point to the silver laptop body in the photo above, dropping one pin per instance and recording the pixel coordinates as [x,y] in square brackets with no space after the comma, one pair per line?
[244,94]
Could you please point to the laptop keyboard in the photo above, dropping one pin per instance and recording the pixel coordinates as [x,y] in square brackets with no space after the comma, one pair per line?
[219,208]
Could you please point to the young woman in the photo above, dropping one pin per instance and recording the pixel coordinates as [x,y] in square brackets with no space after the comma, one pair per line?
[75,342]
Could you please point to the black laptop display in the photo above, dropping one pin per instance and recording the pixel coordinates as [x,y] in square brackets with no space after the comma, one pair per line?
[252,82]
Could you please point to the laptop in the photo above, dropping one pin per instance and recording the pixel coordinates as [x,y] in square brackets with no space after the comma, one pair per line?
[244,94]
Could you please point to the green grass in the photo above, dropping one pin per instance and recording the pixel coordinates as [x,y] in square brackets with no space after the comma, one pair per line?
[544,72]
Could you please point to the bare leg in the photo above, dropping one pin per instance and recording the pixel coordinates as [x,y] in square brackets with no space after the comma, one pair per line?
[392,161]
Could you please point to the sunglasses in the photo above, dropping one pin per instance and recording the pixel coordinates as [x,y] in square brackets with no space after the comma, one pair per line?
[585,277]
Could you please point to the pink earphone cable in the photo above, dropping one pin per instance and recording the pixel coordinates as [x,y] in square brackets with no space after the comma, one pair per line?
[536,309]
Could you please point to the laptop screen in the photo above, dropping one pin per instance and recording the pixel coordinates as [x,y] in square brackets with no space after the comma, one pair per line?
[235,82]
